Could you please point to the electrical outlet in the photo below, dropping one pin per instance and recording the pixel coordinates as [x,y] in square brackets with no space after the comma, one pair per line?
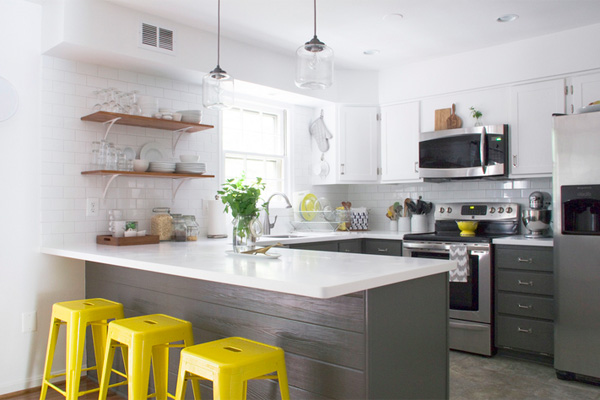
[29,322]
[91,209]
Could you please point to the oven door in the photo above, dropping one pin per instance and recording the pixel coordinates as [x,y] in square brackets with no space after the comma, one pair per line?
[471,300]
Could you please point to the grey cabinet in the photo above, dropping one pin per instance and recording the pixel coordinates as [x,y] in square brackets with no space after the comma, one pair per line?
[383,247]
[346,246]
[350,246]
[524,299]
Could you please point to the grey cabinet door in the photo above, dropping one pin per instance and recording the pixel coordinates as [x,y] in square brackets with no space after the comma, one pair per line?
[526,305]
[320,246]
[526,282]
[383,247]
[524,333]
[350,246]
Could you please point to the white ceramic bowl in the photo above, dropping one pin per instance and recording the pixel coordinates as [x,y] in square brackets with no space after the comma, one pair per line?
[189,158]
[140,165]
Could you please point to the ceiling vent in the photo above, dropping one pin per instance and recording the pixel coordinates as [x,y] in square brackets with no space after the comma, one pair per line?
[153,37]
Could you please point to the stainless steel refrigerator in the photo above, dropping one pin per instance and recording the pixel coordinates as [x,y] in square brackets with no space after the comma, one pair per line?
[576,187]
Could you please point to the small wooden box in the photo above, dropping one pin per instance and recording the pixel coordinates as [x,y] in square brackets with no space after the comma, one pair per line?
[127,241]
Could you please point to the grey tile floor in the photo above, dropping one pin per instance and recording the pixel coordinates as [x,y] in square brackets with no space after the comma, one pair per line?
[501,378]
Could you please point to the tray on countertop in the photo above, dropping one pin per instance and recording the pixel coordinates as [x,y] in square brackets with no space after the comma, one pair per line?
[127,241]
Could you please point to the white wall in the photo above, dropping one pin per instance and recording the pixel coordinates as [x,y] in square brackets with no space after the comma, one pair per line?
[29,281]
[77,30]
[545,56]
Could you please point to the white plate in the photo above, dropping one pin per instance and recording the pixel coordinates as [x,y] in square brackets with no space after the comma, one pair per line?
[9,99]
[587,109]
[259,256]
[129,153]
[152,151]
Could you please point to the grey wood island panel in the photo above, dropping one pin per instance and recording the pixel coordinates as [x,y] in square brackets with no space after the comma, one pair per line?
[388,342]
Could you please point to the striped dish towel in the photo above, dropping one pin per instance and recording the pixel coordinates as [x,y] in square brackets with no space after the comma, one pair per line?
[459,254]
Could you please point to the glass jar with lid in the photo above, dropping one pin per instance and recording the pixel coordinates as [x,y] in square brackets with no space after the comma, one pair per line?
[161,223]
[179,228]
[192,228]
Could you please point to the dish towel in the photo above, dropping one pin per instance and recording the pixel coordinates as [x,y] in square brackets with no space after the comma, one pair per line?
[459,254]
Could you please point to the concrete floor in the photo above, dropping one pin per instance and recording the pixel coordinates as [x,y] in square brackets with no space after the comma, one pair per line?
[501,378]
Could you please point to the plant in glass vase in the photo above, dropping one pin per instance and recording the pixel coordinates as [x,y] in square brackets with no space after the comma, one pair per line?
[477,115]
[242,199]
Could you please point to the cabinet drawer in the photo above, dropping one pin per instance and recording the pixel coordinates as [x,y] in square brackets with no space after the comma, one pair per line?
[526,305]
[525,334]
[525,282]
[350,246]
[529,258]
[383,247]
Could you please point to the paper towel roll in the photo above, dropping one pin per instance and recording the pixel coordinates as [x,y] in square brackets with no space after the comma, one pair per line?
[216,219]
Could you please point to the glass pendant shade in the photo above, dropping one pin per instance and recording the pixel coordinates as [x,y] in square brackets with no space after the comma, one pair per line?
[314,65]
[217,89]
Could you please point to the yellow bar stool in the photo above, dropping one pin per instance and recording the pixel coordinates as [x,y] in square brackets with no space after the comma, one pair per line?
[230,363]
[77,315]
[147,339]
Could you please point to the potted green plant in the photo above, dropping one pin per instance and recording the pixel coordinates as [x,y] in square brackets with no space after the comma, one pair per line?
[242,199]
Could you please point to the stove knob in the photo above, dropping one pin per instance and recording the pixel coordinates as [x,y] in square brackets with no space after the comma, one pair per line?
[500,210]
[442,210]
[449,210]
[509,210]
[492,210]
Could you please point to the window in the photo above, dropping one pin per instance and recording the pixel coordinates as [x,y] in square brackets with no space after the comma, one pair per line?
[254,143]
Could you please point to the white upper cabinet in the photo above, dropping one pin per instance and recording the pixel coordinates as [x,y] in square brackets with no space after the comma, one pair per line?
[358,145]
[532,106]
[583,90]
[400,143]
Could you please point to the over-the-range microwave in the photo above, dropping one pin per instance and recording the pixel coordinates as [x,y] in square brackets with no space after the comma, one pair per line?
[476,152]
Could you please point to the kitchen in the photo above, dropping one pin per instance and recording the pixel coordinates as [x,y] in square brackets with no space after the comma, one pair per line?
[49,131]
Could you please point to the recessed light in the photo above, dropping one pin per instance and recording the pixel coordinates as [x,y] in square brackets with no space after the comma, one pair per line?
[393,17]
[371,52]
[507,18]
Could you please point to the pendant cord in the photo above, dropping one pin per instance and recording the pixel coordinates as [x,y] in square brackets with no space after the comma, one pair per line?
[315,17]
[219,33]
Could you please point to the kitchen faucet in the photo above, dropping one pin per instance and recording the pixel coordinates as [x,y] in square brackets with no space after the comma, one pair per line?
[267,225]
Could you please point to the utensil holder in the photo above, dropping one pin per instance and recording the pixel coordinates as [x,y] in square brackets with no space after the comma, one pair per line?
[404,224]
[393,225]
[419,223]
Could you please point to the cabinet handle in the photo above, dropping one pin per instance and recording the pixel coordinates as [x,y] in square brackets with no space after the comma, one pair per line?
[572,108]
[342,172]
[382,250]
[530,283]
[416,165]
[519,329]
[347,250]
[525,260]
[571,89]
[514,160]
[526,306]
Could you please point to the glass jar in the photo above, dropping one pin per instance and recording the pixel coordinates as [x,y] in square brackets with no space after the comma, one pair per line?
[246,231]
[161,223]
[179,228]
[192,228]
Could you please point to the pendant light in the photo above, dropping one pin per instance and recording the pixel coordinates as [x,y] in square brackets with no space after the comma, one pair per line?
[217,85]
[314,62]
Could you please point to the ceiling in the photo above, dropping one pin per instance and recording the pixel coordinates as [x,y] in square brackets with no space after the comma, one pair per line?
[428,28]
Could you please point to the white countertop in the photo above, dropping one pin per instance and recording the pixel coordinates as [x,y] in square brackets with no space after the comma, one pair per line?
[300,272]
[310,237]
[521,240]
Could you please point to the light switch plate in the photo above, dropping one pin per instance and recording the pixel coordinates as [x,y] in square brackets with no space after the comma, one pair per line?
[29,321]
[91,208]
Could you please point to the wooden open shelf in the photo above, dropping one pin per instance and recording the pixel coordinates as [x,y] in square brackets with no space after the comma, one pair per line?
[171,175]
[145,122]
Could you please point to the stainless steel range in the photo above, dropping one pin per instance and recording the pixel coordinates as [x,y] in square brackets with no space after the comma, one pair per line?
[471,285]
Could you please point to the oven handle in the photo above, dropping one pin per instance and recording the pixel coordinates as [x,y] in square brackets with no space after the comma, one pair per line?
[444,247]
[482,150]
[471,327]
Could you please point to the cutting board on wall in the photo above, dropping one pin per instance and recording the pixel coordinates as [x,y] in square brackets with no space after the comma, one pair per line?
[441,117]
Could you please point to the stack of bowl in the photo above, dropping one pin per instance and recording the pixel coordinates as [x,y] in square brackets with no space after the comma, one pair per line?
[191,116]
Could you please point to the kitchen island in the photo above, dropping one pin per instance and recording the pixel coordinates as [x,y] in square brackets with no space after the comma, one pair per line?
[352,326]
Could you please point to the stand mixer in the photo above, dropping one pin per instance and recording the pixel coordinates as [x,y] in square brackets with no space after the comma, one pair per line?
[537,218]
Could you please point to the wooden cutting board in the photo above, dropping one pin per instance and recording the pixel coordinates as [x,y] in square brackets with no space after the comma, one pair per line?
[453,120]
[441,118]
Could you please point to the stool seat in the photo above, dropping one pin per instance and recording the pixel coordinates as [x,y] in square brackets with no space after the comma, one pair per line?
[77,315]
[230,363]
[147,339]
